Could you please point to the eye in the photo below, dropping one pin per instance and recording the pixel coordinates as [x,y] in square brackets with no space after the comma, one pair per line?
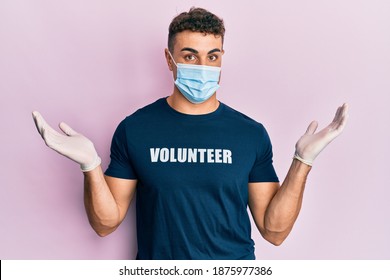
[190,57]
[213,57]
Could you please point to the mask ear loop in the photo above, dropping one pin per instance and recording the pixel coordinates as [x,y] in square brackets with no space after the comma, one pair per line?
[172,58]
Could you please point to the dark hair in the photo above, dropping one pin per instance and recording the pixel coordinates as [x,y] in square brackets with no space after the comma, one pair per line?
[197,20]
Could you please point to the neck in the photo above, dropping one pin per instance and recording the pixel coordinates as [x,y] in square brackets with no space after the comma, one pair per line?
[178,102]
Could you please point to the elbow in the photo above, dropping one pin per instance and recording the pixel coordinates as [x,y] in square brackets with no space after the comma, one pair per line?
[275,241]
[275,238]
[104,232]
[101,234]
[104,229]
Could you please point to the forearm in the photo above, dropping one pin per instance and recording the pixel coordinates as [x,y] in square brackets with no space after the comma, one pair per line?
[100,205]
[284,207]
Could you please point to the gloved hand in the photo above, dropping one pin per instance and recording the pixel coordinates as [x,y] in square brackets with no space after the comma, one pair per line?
[310,145]
[72,145]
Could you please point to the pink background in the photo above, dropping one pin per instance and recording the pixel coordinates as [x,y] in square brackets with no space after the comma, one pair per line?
[91,63]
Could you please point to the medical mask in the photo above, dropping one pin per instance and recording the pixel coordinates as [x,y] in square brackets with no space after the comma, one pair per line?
[197,83]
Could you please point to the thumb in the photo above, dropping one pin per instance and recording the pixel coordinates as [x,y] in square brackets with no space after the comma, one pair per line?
[312,127]
[67,129]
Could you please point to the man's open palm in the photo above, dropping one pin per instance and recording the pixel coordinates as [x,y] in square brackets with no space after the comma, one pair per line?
[311,144]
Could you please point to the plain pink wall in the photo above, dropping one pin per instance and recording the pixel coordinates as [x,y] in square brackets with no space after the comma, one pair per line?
[91,63]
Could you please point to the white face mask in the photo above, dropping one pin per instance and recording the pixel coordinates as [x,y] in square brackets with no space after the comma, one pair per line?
[197,83]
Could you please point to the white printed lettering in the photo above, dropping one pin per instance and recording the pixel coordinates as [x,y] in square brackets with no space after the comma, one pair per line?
[173,158]
[192,155]
[164,155]
[154,154]
[201,154]
[227,156]
[210,155]
[181,155]
[218,156]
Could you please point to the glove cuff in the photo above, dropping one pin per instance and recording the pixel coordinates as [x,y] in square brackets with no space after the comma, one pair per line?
[91,166]
[307,162]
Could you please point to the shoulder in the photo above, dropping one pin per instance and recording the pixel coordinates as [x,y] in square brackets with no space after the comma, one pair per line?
[140,118]
[151,108]
[238,118]
[146,113]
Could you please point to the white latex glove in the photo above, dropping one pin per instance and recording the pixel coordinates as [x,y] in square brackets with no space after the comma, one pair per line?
[310,145]
[71,145]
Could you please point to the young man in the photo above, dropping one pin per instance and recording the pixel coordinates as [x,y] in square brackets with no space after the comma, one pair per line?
[195,162]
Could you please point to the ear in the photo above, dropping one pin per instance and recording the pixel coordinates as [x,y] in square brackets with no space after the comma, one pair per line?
[168,59]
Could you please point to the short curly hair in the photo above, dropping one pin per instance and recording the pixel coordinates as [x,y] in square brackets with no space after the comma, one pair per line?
[197,20]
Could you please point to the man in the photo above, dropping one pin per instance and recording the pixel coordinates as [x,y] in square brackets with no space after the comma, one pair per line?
[195,162]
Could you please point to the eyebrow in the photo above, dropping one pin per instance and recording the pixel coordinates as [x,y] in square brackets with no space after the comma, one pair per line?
[195,51]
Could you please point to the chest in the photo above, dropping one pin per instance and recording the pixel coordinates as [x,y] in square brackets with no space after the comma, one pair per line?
[198,154]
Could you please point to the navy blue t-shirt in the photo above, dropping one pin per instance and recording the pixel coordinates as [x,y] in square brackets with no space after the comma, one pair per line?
[193,173]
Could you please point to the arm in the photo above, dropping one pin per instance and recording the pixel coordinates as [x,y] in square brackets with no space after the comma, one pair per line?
[275,209]
[106,199]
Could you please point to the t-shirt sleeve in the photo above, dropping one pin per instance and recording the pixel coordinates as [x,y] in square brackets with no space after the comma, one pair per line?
[263,169]
[120,165]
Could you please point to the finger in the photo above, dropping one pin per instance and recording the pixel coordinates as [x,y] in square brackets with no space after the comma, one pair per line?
[39,121]
[337,116]
[341,112]
[312,127]
[67,129]
[53,139]
[345,109]
[43,128]
[343,118]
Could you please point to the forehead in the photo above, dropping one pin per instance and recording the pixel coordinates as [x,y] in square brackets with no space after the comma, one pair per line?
[197,40]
